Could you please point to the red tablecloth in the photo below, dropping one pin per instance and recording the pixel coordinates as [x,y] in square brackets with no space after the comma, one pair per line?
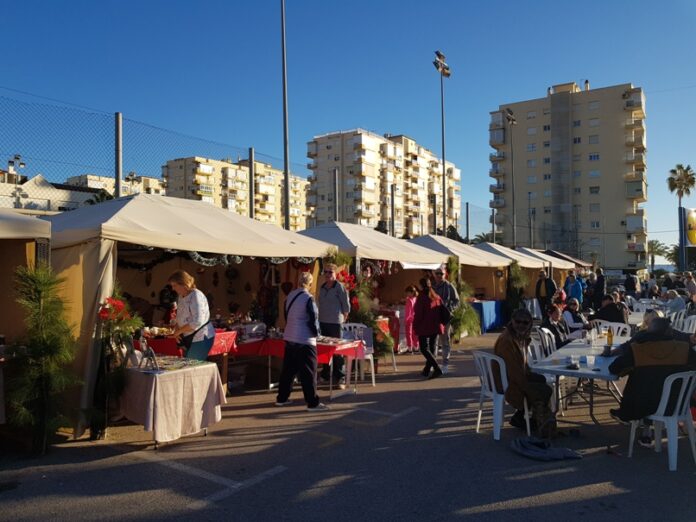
[394,324]
[224,343]
[276,348]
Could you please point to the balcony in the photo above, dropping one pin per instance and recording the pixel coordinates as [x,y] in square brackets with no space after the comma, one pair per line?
[636,158]
[497,188]
[496,171]
[312,149]
[635,247]
[634,123]
[202,171]
[497,203]
[497,156]
[312,165]
[637,190]
[500,219]
[497,120]
[635,104]
[634,175]
[638,265]
[634,210]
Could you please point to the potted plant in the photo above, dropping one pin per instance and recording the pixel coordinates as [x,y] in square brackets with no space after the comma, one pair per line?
[40,372]
[464,320]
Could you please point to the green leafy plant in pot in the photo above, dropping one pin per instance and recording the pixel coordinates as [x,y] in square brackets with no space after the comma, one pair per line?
[464,318]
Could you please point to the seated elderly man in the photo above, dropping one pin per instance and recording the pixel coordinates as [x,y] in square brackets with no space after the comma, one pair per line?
[512,345]
[648,361]
[675,302]
[575,319]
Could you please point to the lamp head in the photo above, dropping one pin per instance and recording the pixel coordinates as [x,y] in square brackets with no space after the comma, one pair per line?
[440,56]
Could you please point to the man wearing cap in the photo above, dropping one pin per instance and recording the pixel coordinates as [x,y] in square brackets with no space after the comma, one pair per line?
[333,310]
[450,300]
[545,288]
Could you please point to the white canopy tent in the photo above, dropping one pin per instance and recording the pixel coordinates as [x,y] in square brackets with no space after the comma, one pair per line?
[468,255]
[14,225]
[85,253]
[524,260]
[363,242]
[555,262]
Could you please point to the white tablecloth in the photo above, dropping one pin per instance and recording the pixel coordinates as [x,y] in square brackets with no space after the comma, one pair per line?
[172,404]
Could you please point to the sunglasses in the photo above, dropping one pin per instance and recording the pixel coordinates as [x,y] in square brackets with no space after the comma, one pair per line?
[523,323]
[439,273]
[328,271]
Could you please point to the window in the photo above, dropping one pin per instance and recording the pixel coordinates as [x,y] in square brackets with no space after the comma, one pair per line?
[547,128]
[594,207]
[547,161]
[531,131]
[532,195]
[547,177]
[322,197]
[594,173]
[594,241]
[576,190]
[594,122]
[576,157]
[593,105]
[593,139]
[337,157]
[531,163]
[547,144]
[531,115]
[531,147]
[531,179]
[328,147]
[594,224]
[576,123]
[547,193]
[594,156]
[546,110]
[547,210]
[594,189]
[576,140]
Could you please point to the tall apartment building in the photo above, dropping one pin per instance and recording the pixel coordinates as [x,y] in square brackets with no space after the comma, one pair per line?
[578,159]
[130,185]
[227,185]
[362,167]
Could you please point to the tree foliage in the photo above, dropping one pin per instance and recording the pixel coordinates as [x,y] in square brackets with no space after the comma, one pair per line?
[681,180]
[464,318]
[655,248]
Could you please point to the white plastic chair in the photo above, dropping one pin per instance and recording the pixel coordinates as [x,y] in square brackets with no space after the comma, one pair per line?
[619,329]
[681,413]
[548,342]
[685,323]
[640,306]
[361,331]
[547,347]
[630,301]
[487,375]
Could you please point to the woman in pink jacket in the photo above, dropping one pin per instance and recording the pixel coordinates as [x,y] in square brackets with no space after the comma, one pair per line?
[409,314]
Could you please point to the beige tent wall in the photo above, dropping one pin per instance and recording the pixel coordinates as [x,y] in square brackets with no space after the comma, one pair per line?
[484,279]
[89,271]
[392,292]
[13,253]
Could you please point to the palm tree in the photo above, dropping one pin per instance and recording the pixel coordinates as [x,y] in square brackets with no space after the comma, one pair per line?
[672,254]
[655,248]
[99,197]
[482,238]
[681,180]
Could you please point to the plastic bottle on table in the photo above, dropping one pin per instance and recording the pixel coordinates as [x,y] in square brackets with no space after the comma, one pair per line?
[610,336]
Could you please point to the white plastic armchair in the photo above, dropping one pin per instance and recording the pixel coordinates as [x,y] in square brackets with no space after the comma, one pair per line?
[361,331]
[487,374]
[685,383]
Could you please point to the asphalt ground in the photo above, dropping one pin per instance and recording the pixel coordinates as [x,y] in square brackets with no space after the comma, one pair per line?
[404,450]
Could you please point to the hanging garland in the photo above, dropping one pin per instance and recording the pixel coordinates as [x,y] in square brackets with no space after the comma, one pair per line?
[208,261]
[305,260]
[144,267]
[277,260]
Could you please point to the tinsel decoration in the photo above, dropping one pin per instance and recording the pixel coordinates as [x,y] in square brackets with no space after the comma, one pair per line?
[277,260]
[209,261]
[305,260]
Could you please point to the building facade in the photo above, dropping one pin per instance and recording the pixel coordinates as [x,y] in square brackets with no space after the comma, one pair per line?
[389,181]
[229,186]
[131,185]
[40,196]
[571,167]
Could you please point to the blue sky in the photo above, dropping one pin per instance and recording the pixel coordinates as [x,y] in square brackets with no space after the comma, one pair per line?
[212,69]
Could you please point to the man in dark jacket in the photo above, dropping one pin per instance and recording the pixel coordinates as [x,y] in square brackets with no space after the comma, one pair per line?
[648,363]
[609,311]
[599,289]
[545,288]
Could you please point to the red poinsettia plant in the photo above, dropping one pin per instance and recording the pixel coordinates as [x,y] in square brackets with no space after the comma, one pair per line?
[113,310]
[116,317]
[348,280]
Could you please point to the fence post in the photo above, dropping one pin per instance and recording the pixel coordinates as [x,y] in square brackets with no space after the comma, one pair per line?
[118,149]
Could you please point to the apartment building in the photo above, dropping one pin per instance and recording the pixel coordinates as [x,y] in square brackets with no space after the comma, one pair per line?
[364,178]
[132,184]
[228,185]
[578,161]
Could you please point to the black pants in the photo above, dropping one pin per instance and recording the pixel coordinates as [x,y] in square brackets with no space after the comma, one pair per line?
[301,360]
[333,330]
[428,345]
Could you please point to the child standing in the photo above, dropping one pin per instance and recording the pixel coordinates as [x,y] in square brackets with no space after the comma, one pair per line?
[409,314]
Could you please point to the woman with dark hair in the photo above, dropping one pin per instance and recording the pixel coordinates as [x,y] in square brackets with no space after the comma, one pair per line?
[428,324]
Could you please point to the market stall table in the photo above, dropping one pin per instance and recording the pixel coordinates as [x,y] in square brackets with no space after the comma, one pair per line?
[490,313]
[182,398]
[597,368]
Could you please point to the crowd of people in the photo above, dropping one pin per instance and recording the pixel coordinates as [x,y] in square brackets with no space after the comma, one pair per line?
[653,352]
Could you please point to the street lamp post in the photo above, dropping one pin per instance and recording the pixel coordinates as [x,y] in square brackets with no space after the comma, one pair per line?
[286,146]
[510,118]
[445,72]
[13,166]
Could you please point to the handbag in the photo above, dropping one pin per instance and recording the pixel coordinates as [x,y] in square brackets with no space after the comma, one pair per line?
[185,341]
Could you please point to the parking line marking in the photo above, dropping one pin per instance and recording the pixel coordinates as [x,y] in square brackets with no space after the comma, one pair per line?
[189,470]
[222,494]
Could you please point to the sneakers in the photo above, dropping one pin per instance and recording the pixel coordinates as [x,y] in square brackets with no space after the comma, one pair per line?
[425,372]
[645,441]
[445,368]
[342,384]
[286,403]
[437,373]
[319,407]
[616,415]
